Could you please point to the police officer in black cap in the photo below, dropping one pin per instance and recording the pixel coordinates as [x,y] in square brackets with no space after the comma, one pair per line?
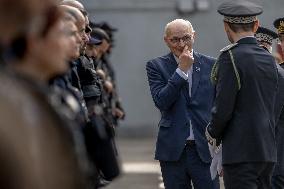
[99,134]
[114,109]
[279,25]
[243,113]
[105,26]
[265,38]
[278,174]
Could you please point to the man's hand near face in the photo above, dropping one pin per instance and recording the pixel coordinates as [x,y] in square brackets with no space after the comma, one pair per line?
[186,59]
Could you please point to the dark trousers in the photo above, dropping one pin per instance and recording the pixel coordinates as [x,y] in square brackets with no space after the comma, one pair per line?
[277,182]
[248,175]
[189,168]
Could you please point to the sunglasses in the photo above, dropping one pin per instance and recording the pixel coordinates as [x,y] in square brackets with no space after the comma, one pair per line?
[88,29]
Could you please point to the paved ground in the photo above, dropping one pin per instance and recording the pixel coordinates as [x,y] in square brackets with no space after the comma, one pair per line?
[140,170]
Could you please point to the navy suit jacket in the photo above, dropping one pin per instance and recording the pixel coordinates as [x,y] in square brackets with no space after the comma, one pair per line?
[170,93]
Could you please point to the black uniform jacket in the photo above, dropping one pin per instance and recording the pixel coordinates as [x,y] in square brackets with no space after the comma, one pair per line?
[279,112]
[243,118]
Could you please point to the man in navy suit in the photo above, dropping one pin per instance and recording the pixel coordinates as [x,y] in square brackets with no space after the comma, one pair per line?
[181,89]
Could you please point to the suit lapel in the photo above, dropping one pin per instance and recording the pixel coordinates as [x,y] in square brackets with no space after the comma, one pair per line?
[171,64]
[196,73]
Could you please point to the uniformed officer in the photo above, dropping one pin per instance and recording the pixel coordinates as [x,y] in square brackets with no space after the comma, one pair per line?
[104,66]
[279,25]
[278,173]
[100,133]
[243,113]
[265,38]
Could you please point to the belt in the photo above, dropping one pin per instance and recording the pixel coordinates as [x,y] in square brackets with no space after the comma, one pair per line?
[190,143]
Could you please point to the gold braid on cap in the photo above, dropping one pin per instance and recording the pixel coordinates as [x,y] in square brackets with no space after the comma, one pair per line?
[240,19]
[281,27]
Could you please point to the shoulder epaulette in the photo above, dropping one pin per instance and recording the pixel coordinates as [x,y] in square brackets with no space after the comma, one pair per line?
[214,72]
[229,47]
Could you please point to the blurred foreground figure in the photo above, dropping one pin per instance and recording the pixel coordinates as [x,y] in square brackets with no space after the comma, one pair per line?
[38,149]
[11,24]
[74,3]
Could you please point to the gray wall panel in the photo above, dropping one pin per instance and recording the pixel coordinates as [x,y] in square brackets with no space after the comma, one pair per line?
[140,38]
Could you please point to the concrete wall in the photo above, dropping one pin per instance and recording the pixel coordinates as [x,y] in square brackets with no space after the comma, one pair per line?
[140,38]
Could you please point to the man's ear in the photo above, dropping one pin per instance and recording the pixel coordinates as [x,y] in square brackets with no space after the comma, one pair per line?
[255,26]
[193,35]
[226,27]
[165,39]
[33,44]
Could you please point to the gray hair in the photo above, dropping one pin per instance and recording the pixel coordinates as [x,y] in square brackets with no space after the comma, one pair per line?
[178,21]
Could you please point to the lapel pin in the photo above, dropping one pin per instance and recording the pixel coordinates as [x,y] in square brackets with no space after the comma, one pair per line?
[197,69]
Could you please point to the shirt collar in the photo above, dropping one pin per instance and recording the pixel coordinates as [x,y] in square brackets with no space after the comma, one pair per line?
[249,36]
